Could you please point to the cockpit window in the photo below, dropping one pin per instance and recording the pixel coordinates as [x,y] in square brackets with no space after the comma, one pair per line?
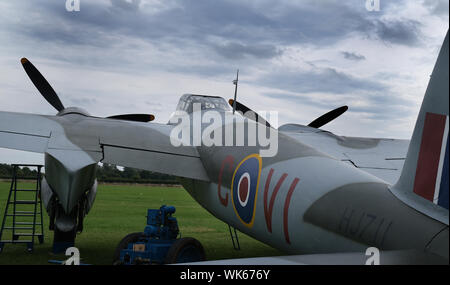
[187,101]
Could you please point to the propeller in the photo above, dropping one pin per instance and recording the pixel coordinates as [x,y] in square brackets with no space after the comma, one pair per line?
[134,117]
[42,84]
[50,95]
[317,123]
[328,117]
[244,109]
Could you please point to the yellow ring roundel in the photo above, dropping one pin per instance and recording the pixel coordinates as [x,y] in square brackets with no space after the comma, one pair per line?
[244,188]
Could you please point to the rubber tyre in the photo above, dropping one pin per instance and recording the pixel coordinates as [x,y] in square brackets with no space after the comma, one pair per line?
[123,244]
[185,250]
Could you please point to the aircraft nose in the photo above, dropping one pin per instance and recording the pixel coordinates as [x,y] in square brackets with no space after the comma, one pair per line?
[71,189]
[69,181]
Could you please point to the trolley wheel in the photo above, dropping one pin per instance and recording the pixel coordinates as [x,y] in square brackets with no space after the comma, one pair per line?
[123,244]
[185,250]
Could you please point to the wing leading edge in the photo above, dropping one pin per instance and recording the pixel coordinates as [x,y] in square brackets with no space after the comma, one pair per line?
[140,145]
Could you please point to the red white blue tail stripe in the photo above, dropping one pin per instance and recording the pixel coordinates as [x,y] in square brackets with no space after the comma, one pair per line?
[432,173]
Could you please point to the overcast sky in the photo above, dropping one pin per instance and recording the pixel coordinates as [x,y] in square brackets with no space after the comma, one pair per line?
[302,58]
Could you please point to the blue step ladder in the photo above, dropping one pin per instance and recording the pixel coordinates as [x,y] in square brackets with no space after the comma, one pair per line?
[23,212]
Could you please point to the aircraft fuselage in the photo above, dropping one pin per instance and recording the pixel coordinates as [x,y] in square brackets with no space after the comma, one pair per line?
[303,201]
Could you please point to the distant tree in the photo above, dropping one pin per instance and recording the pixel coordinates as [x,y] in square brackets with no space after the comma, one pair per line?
[105,173]
[130,173]
[26,172]
[6,171]
[144,174]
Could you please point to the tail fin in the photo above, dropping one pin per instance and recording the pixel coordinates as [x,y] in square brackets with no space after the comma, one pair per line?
[424,181]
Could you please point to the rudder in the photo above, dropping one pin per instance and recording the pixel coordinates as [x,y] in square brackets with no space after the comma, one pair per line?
[424,181]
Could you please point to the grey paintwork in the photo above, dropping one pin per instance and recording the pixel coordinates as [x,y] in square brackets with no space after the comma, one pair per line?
[380,157]
[74,142]
[318,173]
[334,193]
[370,213]
[393,257]
[318,177]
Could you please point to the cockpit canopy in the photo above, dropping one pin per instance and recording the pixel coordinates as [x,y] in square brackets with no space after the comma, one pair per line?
[187,101]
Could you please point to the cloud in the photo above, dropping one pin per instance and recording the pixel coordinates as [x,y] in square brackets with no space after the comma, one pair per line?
[353,56]
[82,101]
[239,51]
[132,5]
[156,50]
[324,80]
[229,28]
[376,106]
[437,7]
[405,32]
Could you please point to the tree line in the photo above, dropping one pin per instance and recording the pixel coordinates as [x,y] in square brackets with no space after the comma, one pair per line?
[105,173]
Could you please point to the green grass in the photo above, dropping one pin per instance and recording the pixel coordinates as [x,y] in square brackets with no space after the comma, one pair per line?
[121,209]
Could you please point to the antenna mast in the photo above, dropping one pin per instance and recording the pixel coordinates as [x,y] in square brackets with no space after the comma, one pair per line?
[235,82]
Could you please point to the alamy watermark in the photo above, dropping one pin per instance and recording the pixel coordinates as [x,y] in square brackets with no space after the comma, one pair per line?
[74,258]
[213,128]
[73,5]
[374,256]
[373,5]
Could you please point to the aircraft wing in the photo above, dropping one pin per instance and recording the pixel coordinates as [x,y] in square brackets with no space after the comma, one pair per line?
[132,144]
[24,132]
[380,157]
[392,257]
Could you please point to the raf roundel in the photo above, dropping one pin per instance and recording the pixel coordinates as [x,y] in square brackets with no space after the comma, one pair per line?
[244,188]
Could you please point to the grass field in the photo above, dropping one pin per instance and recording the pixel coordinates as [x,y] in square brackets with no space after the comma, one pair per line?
[121,209]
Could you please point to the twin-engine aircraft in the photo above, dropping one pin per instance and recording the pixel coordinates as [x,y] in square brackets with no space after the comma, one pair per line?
[321,197]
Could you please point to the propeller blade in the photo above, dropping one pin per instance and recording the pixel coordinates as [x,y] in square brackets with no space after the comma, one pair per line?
[134,117]
[244,109]
[328,117]
[42,84]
